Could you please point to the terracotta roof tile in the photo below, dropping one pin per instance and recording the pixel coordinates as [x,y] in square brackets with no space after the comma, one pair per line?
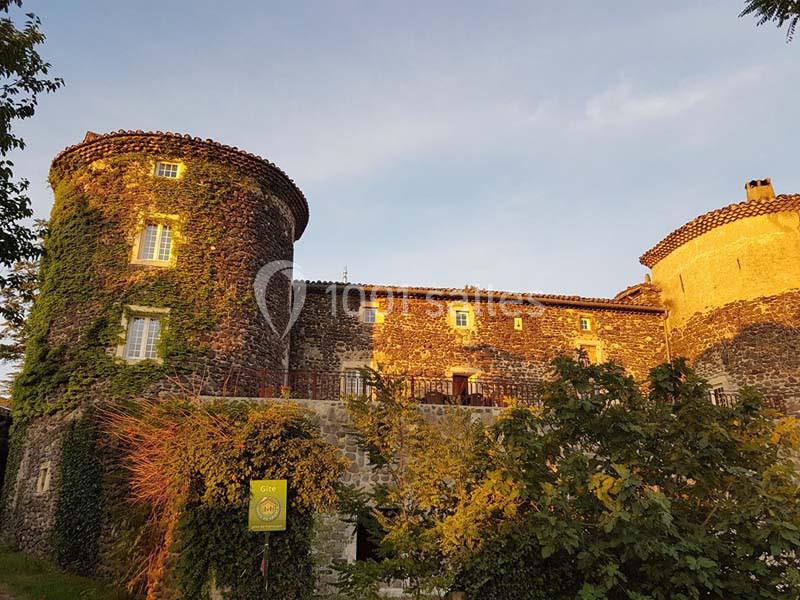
[499,295]
[717,218]
[95,146]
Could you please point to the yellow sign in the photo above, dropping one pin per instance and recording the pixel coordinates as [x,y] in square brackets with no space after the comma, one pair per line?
[267,505]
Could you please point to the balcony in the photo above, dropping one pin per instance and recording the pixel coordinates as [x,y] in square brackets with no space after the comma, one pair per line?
[456,391]
[332,386]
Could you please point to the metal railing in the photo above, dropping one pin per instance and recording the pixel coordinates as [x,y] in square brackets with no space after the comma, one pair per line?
[330,385]
[461,391]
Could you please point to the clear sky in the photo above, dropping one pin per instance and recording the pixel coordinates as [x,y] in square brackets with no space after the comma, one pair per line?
[532,146]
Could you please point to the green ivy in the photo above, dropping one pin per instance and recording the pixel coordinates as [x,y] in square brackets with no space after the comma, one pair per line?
[78,512]
[215,543]
[15,444]
[86,281]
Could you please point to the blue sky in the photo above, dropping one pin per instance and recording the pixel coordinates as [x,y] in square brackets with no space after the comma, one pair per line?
[524,146]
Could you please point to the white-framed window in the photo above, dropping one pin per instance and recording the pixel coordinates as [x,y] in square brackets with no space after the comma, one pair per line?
[354,384]
[167,169]
[462,318]
[585,323]
[143,337]
[43,478]
[143,328]
[156,242]
[369,314]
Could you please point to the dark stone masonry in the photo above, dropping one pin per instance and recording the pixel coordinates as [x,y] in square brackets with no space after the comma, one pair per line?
[148,289]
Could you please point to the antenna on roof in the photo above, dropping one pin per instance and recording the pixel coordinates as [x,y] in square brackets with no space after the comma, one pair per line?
[344,275]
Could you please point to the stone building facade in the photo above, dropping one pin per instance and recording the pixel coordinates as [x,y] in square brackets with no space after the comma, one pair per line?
[148,286]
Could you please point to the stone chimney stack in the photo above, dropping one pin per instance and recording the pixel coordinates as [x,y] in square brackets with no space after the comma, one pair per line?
[759,189]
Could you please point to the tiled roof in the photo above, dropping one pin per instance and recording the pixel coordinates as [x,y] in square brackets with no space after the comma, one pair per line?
[96,146]
[497,295]
[717,218]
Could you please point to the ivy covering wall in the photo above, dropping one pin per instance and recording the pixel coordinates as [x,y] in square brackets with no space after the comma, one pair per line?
[78,511]
[86,280]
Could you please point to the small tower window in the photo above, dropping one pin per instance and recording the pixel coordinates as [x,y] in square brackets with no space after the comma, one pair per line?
[155,241]
[167,169]
[144,334]
[518,323]
[43,479]
[585,324]
[143,329]
[462,318]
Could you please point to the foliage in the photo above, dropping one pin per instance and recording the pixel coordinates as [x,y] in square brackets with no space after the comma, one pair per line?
[29,578]
[780,12]
[601,493]
[16,302]
[23,73]
[78,514]
[190,464]
[16,438]
[86,281]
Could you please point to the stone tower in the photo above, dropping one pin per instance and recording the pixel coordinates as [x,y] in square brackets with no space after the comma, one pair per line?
[730,280]
[147,285]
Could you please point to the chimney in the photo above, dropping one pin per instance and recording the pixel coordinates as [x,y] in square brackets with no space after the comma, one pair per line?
[90,135]
[759,189]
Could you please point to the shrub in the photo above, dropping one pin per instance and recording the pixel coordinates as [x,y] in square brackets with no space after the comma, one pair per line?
[601,493]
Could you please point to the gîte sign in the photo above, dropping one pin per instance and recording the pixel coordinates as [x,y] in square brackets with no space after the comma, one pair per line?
[267,505]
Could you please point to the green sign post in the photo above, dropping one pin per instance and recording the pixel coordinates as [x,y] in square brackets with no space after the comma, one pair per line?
[267,505]
[267,512]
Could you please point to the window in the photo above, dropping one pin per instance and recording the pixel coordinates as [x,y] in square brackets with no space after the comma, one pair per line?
[518,323]
[585,324]
[43,480]
[354,384]
[590,352]
[462,318]
[167,169]
[367,547]
[369,314]
[144,334]
[156,243]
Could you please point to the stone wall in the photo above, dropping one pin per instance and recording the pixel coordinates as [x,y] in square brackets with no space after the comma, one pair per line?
[416,335]
[335,538]
[748,343]
[30,497]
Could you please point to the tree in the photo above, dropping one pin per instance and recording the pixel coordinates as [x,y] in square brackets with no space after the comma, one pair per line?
[780,12]
[16,300]
[602,492]
[23,73]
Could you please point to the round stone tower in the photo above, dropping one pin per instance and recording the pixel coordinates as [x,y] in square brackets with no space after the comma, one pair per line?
[154,243]
[730,280]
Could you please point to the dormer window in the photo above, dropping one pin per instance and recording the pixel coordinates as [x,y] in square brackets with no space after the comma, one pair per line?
[167,169]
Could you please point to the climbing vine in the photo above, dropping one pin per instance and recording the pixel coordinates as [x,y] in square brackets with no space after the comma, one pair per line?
[86,281]
[189,465]
[78,512]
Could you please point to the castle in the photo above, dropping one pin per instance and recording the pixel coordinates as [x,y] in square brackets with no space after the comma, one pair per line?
[156,240]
